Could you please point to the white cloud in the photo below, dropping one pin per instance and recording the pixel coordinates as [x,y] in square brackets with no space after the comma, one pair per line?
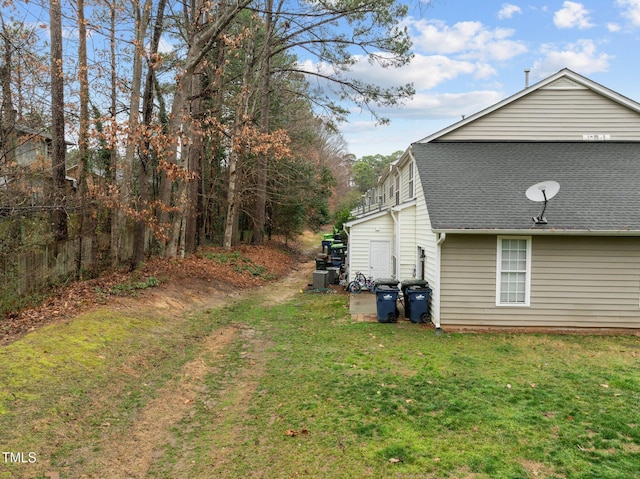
[424,71]
[631,10]
[581,56]
[449,105]
[508,11]
[423,115]
[613,27]
[436,106]
[359,127]
[470,40]
[572,15]
[322,68]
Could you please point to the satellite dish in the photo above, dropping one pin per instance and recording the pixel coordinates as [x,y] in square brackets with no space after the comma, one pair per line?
[542,191]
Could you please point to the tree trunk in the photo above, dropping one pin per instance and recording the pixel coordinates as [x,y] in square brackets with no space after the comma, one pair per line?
[213,206]
[58,146]
[143,166]
[142,21]
[86,226]
[176,221]
[196,154]
[233,192]
[113,160]
[204,38]
[8,123]
[263,158]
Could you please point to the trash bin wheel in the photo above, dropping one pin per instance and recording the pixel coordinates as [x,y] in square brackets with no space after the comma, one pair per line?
[424,318]
[392,318]
[354,287]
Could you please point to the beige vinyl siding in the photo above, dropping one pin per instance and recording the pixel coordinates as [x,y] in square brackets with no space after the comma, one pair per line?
[554,113]
[576,281]
[379,228]
[426,239]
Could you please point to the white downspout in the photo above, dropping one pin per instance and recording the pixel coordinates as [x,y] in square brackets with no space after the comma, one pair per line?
[396,240]
[436,306]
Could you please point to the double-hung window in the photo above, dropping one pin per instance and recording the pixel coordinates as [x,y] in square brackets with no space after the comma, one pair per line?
[513,281]
[410,181]
[397,180]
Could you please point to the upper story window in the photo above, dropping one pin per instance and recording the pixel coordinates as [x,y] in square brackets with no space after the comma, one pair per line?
[513,271]
[410,180]
[397,180]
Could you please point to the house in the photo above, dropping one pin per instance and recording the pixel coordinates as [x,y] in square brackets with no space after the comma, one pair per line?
[453,210]
[26,171]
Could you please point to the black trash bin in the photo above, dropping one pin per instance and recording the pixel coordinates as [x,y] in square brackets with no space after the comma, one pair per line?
[416,295]
[338,254]
[321,262]
[386,306]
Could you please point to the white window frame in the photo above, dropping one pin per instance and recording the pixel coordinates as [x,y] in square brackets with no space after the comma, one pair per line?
[397,181]
[527,290]
[411,174]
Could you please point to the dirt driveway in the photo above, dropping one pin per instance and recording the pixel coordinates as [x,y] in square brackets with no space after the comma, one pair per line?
[129,447]
[151,429]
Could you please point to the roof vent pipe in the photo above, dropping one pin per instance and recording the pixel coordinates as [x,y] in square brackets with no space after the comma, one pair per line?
[526,78]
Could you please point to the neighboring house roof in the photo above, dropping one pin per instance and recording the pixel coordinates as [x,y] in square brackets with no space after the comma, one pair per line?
[481,185]
[565,74]
[32,131]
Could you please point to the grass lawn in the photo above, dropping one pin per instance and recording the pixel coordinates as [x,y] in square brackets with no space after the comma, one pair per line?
[344,399]
[302,391]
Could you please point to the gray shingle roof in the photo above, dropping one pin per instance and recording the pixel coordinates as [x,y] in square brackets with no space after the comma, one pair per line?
[481,185]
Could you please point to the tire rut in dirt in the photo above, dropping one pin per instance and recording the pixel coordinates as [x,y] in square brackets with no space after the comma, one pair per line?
[131,453]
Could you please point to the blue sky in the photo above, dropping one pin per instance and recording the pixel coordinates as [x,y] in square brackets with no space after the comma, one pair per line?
[470,54]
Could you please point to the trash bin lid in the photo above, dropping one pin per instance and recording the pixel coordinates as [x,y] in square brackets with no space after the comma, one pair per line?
[386,288]
[387,282]
[414,282]
[416,289]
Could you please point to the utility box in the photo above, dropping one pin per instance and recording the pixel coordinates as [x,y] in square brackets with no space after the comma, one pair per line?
[320,279]
[334,275]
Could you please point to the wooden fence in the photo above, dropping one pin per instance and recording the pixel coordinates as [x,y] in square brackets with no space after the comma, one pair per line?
[23,272]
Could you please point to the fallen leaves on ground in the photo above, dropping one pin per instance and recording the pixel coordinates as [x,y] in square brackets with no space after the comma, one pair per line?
[67,301]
